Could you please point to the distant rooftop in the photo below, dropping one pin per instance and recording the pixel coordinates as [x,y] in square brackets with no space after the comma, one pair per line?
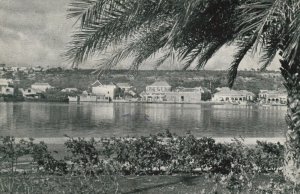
[161,83]
[227,91]
[123,84]
[41,84]
[96,84]
[4,82]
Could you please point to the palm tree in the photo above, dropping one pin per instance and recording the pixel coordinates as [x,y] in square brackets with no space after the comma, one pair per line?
[193,31]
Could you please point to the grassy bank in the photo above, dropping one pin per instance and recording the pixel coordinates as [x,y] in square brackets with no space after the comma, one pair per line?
[183,184]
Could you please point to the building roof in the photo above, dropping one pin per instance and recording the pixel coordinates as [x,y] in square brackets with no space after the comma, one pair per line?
[96,84]
[183,89]
[160,84]
[272,92]
[69,89]
[223,89]
[235,93]
[124,85]
[41,84]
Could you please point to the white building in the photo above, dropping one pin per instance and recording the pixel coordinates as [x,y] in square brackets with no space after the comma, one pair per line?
[69,90]
[156,92]
[124,86]
[106,91]
[6,87]
[272,96]
[86,97]
[158,86]
[227,95]
[160,91]
[29,92]
[189,95]
[41,87]
[37,69]
[7,90]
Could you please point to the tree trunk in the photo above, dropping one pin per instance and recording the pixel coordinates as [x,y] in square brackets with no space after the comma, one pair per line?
[291,75]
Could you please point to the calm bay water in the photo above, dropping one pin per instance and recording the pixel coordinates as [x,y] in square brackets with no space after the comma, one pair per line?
[122,119]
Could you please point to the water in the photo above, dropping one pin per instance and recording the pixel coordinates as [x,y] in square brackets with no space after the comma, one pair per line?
[106,120]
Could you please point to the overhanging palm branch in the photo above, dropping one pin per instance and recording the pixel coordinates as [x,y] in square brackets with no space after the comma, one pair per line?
[197,29]
[109,26]
[141,47]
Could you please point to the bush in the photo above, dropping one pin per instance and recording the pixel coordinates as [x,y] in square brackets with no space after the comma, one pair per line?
[166,153]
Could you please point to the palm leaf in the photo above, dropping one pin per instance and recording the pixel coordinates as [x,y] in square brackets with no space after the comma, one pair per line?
[243,49]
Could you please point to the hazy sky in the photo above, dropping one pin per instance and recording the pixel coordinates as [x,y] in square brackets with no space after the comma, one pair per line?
[35,32]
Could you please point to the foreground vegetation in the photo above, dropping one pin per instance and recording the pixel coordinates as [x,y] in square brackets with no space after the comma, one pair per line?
[123,164]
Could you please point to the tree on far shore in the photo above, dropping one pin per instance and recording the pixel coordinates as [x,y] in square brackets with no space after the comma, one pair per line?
[193,31]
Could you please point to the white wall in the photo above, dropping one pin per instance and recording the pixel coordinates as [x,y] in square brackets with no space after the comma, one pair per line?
[105,90]
[7,90]
[42,88]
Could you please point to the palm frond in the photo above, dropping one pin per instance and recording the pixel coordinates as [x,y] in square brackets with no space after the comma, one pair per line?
[208,53]
[87,11]
[269,49]
[255,17]
[167,55]
[243,49]
[293,50]
[116,24]
[141,47]
[191,57]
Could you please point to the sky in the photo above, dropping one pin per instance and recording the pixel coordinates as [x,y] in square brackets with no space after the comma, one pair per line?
[36,32]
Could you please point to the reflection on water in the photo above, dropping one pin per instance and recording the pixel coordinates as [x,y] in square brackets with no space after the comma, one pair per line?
[103,119]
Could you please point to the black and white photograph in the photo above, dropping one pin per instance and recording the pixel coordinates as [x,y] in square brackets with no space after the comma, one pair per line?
[150,96]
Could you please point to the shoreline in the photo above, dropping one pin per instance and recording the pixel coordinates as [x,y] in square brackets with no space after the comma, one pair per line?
[265,106]
[246,141]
